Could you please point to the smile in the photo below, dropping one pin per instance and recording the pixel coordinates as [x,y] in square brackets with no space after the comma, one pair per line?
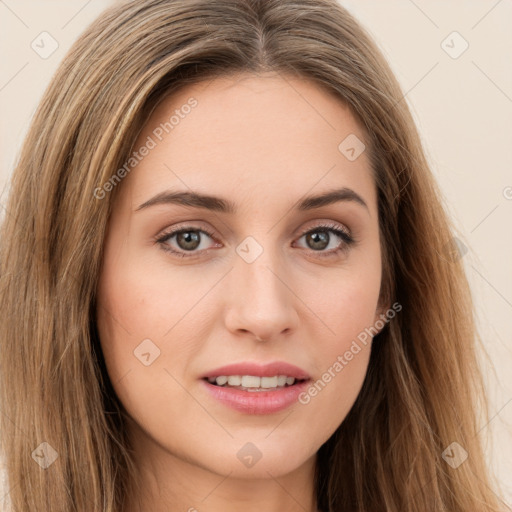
[253,382]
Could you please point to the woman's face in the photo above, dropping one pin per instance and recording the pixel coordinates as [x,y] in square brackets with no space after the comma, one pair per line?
[264,274]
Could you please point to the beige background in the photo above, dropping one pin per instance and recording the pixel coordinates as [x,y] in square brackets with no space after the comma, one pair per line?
[463,107]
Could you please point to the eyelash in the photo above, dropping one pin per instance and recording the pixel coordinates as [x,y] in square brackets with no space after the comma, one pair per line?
[347,240]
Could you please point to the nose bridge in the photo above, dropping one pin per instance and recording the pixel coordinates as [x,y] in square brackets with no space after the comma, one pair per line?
[261,301]
[256,268]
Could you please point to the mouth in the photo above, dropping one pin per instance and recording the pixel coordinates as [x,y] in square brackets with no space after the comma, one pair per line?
[251,387]
[254,383]
[247,393]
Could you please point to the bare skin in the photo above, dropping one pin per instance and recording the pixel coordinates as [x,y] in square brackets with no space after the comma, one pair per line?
[263,142]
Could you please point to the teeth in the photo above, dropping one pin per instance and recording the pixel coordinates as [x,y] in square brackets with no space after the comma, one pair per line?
[281,380]
[248,381]
[269,382]
[252,381]
[234,380]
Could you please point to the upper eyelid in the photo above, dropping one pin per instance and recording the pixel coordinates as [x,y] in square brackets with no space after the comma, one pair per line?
[200,225]
[322,224]
[326,224]
[173,231]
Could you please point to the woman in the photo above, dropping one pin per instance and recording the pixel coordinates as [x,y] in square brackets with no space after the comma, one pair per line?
[225,277]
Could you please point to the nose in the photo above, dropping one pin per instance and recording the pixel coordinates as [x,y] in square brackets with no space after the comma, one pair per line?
[260,302]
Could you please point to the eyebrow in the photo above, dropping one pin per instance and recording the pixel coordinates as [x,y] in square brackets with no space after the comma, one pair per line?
[218,204]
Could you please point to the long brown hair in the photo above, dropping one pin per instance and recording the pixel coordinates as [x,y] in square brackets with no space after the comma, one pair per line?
[423,388]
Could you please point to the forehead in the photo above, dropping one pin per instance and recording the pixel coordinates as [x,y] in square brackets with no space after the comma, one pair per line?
[247,135]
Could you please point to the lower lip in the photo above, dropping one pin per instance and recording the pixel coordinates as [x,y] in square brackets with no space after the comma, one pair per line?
[257,402]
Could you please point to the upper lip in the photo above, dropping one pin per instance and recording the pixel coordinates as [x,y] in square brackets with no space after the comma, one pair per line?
[259,370]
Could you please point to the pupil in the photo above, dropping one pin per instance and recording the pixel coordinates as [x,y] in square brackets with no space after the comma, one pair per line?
[319,239]
[188,240]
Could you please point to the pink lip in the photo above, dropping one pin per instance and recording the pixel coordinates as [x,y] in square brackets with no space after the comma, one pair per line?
[257,402]
[259,370]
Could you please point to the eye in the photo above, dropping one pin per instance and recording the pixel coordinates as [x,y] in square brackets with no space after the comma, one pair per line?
[321,237]
[188,240]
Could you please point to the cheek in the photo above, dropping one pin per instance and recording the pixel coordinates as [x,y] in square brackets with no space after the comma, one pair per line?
[347,301]
[145,299]
[140,310]
[342,363]
[346,307]
[139,315]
